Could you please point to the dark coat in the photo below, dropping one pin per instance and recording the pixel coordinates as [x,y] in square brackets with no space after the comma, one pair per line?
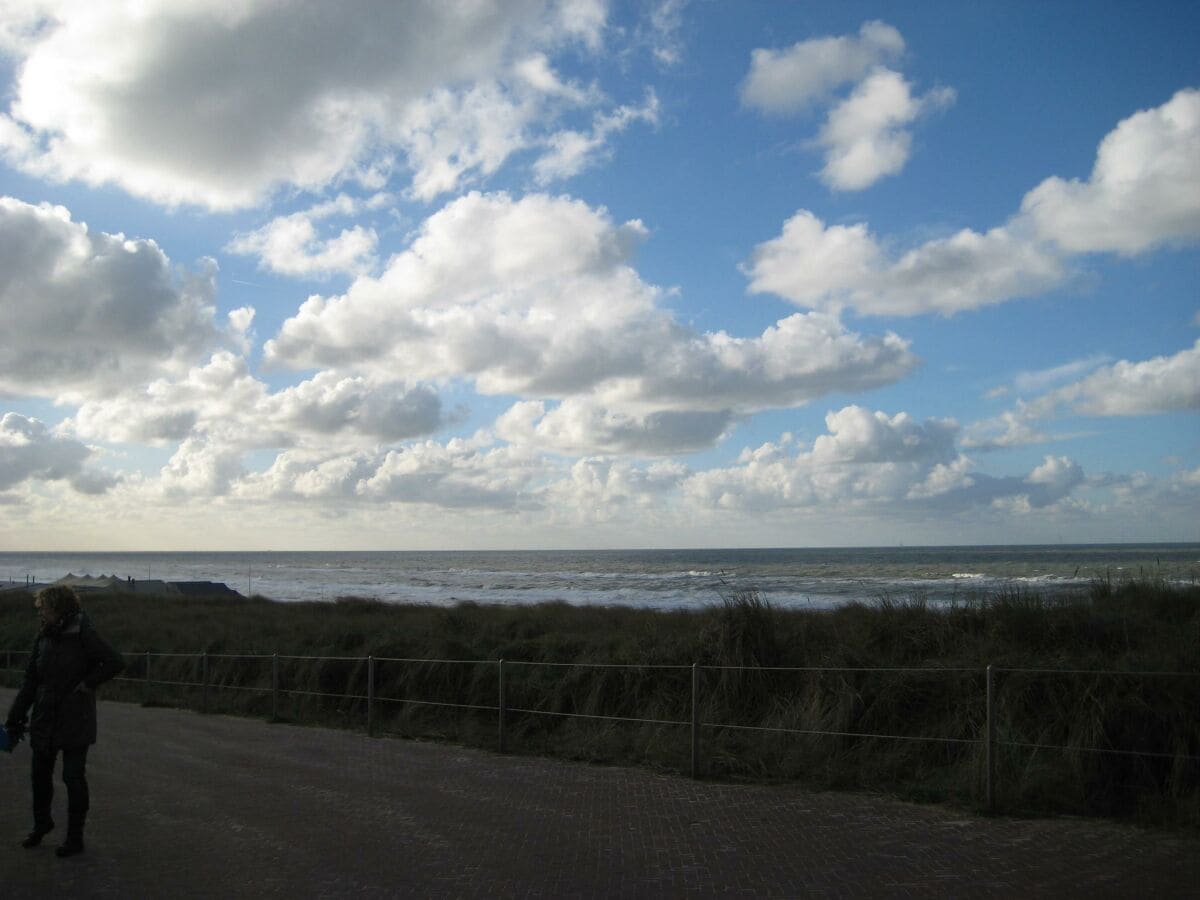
[64,657]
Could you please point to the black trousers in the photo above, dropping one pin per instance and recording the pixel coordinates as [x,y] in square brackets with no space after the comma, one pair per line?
[74,776]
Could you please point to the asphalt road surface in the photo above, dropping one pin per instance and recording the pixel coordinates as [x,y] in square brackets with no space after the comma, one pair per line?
[187,805]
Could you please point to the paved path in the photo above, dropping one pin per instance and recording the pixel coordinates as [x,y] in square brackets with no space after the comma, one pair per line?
[186,805]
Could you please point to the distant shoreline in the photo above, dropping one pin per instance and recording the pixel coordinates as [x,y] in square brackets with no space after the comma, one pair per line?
[622,550]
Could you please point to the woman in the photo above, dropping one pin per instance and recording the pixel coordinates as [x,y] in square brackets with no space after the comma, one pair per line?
[68,662]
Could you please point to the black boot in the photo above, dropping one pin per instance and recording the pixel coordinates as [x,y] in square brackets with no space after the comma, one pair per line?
[69,847]
[35,837]
[74,842]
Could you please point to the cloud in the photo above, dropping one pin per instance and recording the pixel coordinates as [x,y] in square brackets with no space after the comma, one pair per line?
[1044,379]
[223,403]
[1163,384]
[456,475]
[844,266]
[570,152]
[1144,189]
[521,294]
[310,475]
[1048,486]
[788,81]
[880,464]
[20,23]
[944,478]
[865,137]
[1058,474]
[582,426]
[453,476]
[219,104]
[856,435]
[289,245]
[536,298]
[604,490]
[330,403]
[865,457]
[219,395]
[1158,385]
[800,358]
[85,312]
[200,467]
[451,133]
[470,475]
[664,23]
[1012,428]
[1143,193]
[1175,495]
[1016,427]
[30,451]
[868,463]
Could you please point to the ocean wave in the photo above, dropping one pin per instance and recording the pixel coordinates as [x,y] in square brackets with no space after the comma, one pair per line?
[662,579]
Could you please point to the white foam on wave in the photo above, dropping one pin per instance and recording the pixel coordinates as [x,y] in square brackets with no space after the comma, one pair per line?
[1049,579]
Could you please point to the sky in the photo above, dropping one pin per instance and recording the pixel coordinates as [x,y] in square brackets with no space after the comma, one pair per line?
[575,273]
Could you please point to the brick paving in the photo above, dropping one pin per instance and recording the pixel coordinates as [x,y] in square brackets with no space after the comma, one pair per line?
[186,805]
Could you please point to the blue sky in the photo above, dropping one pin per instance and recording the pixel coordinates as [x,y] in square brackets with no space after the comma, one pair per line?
[571,274]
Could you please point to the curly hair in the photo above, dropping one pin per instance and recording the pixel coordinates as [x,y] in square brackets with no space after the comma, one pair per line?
[59,599]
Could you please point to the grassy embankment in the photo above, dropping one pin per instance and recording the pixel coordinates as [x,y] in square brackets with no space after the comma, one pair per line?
[1134,626]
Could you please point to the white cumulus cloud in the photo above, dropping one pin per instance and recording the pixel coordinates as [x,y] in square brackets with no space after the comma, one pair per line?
[86,312]
[536,298]
[1158,385]
[1144,189]
[605,490]
[459,474]
[1162,384]
[879,464]
[218,104]
[845,266]
[866,137]
[222,402]
[787,81]
[291,245]
[1143,194]
[580,425]
[866,457]
[200,467]
[1012,428]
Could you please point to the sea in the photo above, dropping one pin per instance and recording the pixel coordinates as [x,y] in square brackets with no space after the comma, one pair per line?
[664,579]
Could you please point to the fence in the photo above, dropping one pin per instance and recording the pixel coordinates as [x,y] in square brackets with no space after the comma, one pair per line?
[203,667]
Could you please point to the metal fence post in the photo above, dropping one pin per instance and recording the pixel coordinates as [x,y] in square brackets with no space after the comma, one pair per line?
[204,681]
[695,720]
[990,783]
[500,723]
[146,677]
[370,696]
[275,687]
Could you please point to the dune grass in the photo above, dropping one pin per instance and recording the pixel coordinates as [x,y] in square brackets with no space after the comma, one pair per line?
[745,644]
